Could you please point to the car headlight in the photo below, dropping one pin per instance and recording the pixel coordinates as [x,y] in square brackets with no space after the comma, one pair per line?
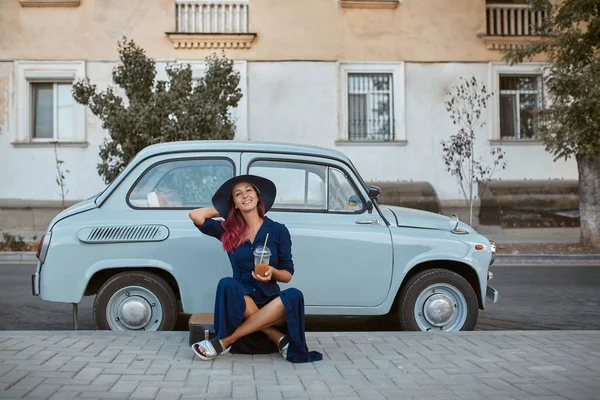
[493,250]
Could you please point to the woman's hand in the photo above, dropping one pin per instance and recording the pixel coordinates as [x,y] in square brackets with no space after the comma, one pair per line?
[274,274]
[267,277]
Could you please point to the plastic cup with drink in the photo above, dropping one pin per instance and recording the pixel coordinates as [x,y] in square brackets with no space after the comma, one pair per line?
[262,254]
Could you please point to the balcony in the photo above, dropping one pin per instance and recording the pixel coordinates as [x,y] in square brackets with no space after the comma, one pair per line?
[510,25]
[211,24]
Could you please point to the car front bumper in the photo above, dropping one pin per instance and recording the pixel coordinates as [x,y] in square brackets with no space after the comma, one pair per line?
[491,294]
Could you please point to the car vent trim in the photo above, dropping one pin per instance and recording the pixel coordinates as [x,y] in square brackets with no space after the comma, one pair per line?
[123,233]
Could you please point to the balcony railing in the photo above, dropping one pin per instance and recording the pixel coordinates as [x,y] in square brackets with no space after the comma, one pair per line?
[212,16]
[513,20]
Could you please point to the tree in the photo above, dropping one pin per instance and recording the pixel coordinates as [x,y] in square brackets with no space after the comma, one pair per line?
[466,105]
[60,173]
[156,111]
[569,125]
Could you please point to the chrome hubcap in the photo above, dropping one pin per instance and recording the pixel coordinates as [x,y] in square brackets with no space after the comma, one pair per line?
[441,307]
[438,310]
[134,308]
[135,312]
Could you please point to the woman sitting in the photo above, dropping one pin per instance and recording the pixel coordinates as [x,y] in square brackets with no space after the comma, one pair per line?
[252,314]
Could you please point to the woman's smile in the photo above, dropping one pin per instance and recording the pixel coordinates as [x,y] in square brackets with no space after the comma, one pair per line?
[244,196]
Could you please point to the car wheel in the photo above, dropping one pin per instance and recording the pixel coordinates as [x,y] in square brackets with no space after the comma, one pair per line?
[438,300]
[136,300]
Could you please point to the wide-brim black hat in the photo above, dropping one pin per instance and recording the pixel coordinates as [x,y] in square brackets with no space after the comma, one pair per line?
[266,192]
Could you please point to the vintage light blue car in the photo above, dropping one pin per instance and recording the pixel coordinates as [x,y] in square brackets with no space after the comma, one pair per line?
[134,247]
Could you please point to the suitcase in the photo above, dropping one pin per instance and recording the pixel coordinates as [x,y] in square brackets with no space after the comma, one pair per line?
[201,326]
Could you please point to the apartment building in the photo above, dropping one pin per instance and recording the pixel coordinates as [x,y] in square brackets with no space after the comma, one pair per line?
[366,77]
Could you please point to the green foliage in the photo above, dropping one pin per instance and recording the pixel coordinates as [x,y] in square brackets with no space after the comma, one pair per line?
[570,124]
[14,243]
[156,111]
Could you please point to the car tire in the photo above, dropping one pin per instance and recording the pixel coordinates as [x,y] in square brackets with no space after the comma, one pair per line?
[438,300]
[136,300]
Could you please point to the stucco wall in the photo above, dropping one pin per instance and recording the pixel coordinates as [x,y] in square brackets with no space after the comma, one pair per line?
[426,31]
[5,72]
[299,102]
[296,102]
[293,102]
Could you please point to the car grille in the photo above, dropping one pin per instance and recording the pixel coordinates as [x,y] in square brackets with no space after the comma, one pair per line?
[123,233]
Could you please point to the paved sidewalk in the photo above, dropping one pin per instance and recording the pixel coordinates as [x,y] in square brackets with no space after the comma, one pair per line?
[357,365]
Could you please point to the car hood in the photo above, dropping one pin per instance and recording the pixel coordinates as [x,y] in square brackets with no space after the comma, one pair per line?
[76,208]
[413,218]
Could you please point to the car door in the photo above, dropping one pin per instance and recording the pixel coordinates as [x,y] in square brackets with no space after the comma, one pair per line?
[342,252]
[161,191]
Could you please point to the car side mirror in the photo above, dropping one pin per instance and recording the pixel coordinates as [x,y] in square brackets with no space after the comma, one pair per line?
[374,192]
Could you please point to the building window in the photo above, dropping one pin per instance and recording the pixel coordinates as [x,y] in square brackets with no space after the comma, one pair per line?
[44,107]
[520,98]
[52,111]
[372,102]
[370,107]
[518,94]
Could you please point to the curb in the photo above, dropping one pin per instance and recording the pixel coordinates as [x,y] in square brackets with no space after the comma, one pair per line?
[546,259]
[28,256]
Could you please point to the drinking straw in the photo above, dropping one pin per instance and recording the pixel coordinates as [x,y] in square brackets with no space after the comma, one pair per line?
[263,250]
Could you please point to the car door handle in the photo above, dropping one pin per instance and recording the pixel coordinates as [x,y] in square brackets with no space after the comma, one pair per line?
[368,222]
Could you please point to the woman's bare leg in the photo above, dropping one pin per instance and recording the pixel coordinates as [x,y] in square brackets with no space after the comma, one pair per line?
[272,333]
[266,317]
[252,309]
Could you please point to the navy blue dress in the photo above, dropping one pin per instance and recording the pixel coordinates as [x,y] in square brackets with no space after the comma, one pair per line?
[230,305]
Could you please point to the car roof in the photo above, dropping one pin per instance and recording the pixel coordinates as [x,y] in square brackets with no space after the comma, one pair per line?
[238,145]
[220,146]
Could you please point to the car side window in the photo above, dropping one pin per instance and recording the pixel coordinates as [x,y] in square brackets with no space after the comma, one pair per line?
[180,184]
[300,186]
[342,196]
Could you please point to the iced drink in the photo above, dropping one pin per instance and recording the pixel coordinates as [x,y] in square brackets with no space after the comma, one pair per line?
[261,260]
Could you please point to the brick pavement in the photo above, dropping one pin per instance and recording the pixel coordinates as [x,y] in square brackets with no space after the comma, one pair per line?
[356,365]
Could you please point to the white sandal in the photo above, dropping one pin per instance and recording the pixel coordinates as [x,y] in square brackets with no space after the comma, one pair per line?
[212,348]
[283,345]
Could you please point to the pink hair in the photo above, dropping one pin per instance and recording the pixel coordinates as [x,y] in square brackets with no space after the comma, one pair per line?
[236,228]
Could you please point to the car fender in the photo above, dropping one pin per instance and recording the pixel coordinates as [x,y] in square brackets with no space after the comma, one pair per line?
[458,252]
[71,290]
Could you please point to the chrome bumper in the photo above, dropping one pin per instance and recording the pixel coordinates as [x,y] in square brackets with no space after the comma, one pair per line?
[491,294]
[493,251]
[35,284]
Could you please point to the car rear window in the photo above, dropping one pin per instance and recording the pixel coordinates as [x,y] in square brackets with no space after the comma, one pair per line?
[188,183]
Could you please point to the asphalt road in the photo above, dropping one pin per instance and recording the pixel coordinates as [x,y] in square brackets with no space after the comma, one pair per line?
[531,298]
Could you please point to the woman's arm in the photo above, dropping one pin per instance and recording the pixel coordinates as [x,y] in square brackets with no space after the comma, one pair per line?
[285,268]
[199,215]
[280,275]
[203,220]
